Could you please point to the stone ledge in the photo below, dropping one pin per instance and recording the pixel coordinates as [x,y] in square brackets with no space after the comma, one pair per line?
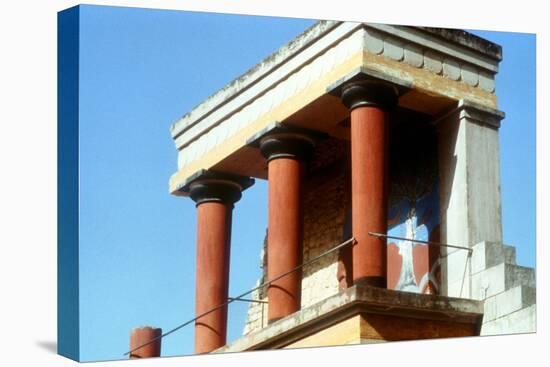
[474,112]
[359,299]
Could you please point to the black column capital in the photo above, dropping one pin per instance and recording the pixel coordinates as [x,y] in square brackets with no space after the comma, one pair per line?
[281,145]
[369,93]
[212,186]
[284,141]
[366,87]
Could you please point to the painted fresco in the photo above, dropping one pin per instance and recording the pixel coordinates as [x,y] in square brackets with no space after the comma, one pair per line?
[413,211]
[414,266]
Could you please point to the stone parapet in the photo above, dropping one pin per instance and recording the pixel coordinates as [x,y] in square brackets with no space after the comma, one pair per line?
[383,313]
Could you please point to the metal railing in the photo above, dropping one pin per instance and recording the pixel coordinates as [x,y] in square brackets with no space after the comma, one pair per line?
[433,243]
[241,298]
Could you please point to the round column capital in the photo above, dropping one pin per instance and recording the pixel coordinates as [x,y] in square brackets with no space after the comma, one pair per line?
[369,93]
[215,190]
[213,186]
[287,145]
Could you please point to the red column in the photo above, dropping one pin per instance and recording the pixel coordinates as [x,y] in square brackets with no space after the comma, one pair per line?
[215,195]
[369,103]
[369,151]
[212,279]
[284,236]
[143,335]
[287,152]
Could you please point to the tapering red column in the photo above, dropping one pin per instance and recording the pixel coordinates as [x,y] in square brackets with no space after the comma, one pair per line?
[213,240]
[369,103]
[215,195]
[287,153]
[144,335]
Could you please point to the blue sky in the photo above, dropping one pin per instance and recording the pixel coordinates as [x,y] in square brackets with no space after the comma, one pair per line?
[141,70]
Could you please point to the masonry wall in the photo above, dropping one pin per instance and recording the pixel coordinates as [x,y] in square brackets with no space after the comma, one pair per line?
[326,199]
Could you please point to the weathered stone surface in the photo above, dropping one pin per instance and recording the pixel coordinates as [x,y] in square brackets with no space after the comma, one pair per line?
[374,42]
[522,321]
[462,37]
[488,254]
[486,81]
[414,55]
[393,48]
[508,302]
[451,69]
[432,62]
[470,75]
[509,254]
[500,278]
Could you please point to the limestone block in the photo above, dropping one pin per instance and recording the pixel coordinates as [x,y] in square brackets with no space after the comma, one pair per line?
[413,55]
[522,321]
[510,301]
[487,254]
[470,75]
[451,69]
[393,49]
[486,81]
[509,254]
[500,278]
[432,61]
[374,41]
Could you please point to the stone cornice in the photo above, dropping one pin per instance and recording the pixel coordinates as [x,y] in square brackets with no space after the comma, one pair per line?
[446,51]
[467,39]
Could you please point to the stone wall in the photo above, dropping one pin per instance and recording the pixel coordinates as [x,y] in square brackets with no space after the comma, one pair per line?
[325,202]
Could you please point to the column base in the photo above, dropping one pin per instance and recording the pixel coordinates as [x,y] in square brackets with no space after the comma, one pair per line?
[374,281]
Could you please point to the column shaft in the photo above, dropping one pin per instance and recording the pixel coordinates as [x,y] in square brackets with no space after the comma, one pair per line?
[212,277]
[369,156]
[285,235]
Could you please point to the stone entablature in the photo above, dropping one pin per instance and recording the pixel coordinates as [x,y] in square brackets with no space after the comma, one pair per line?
[433,64]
